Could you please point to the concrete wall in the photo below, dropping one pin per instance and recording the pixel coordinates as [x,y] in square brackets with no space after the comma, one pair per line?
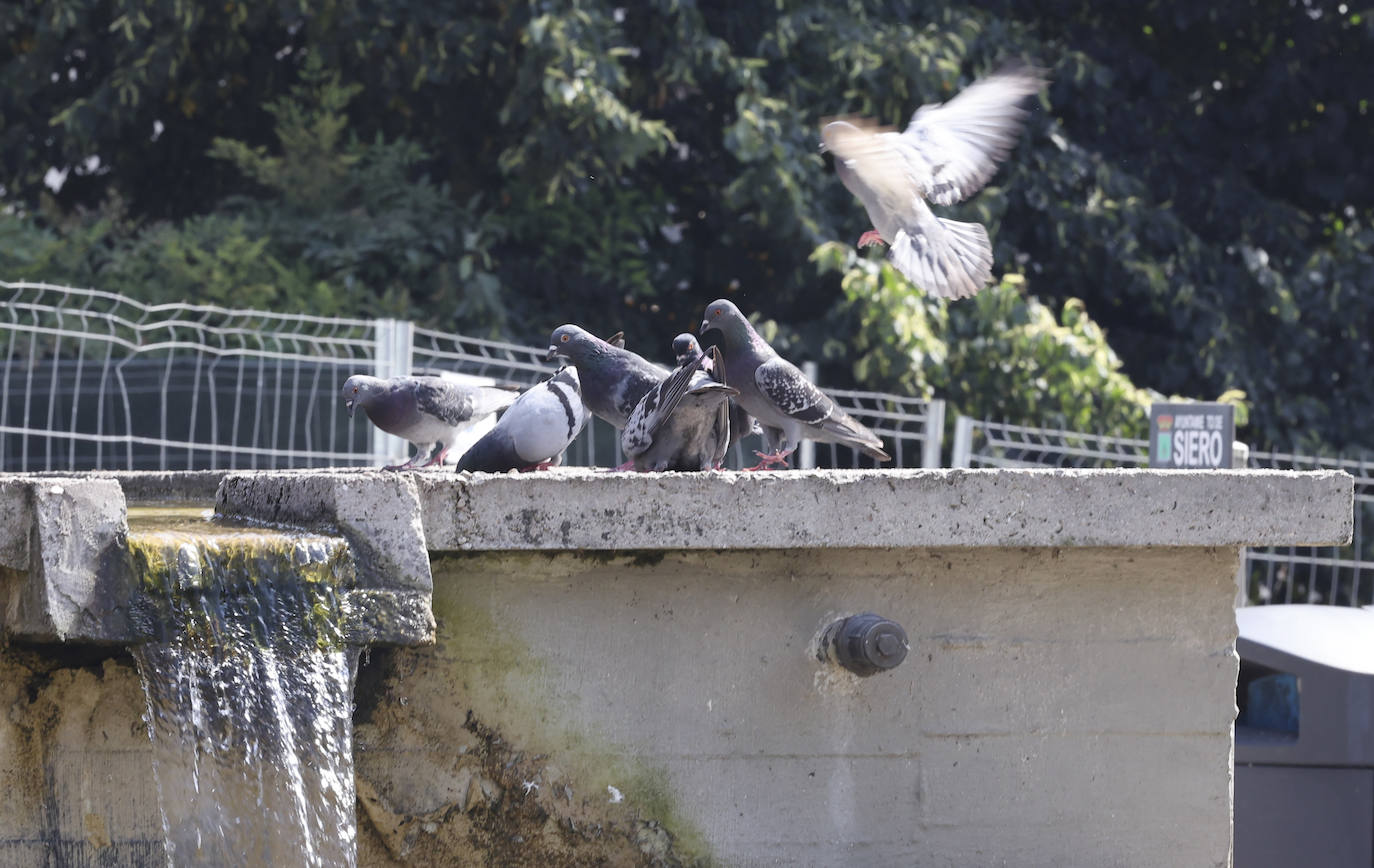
[624,670]
[1057,707]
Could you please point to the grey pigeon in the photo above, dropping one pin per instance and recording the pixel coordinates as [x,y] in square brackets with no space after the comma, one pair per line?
[534,431]
[946,154]
[788,406]
[430,412]
[613,379]
[683,423]
[685,347]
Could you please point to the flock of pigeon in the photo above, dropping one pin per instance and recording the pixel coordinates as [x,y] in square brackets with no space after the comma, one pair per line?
[686,418]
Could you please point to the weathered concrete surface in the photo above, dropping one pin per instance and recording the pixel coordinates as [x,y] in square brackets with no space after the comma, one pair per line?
[379,514]
[76,773]
[581,509]
[1058,707]
[57,534]
[1067,699]
[64,571]
[164,486]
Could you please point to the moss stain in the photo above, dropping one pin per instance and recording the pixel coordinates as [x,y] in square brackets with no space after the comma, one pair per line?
[554,780]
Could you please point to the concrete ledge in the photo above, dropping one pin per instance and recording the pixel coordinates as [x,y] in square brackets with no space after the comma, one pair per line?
[164,486]
[57,535]
[575,508]
[378,511]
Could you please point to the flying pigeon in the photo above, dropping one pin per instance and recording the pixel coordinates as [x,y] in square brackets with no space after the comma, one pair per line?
[947,153]
[683,423]
[685,347]
[534,431]
[788,406]
[430,412]
[613,379]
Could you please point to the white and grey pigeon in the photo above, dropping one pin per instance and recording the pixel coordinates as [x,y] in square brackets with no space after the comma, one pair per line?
[788,406]
[613,379]
[946,154]
[430,412]
[533,433]
[683,423]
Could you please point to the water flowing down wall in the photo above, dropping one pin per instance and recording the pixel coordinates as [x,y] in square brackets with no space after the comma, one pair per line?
[627,669]
[249,687]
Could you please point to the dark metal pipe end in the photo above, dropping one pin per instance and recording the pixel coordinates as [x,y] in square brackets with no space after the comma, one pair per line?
[864,644]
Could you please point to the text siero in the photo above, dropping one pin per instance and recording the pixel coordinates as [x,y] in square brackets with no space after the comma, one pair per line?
[1194,447]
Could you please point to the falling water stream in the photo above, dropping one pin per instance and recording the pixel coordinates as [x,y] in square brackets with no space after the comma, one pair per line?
[249,690]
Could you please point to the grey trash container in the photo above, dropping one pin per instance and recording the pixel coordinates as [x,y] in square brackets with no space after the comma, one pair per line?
[1304,786]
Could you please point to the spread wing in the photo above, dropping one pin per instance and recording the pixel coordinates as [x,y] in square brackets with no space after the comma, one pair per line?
[656,407]
[964,140]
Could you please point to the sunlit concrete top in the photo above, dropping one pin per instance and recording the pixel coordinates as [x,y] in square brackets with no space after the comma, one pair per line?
[581,509]
[575,508]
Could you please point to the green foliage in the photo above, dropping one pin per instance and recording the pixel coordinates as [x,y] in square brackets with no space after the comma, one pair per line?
[1194,185]
[1000,355]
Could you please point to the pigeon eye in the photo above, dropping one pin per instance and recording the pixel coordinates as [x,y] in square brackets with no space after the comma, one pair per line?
[564,339]
[717,312]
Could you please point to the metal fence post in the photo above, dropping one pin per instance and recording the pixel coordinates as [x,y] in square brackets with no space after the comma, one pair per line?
[1240,460]
[395,344]
[963,442]
[806,450]
[935,433]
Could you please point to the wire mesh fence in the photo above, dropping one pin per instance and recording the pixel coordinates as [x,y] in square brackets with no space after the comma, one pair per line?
[91,380]
[1343,575]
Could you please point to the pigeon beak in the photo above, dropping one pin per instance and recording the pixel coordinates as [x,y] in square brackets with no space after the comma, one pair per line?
[705,327]
[348,405]
[553,351]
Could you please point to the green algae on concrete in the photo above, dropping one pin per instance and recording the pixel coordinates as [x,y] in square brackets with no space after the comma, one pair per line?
[499,688]
[188,572]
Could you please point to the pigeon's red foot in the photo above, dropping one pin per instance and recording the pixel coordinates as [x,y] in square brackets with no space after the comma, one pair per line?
[543,465]
[621,468]
[436,459]
[768,459]
[408,465]
[870,238]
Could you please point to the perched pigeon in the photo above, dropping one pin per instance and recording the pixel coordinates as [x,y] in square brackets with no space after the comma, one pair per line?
[534,431]
[683,423]
[947,153]
[685,347]
[430,412]
[788,406]
[613,379]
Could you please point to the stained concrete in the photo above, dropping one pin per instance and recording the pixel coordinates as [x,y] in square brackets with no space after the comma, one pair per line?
[1067,699]
[1057,707]
[577,508]
[76,782]
[61,549]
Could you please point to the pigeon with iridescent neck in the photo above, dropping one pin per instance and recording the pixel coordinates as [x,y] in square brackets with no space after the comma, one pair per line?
[430,412]
[946,154]
[613,379]
[787,405]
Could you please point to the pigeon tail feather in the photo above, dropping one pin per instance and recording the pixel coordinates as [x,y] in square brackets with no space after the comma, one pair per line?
[953,263]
